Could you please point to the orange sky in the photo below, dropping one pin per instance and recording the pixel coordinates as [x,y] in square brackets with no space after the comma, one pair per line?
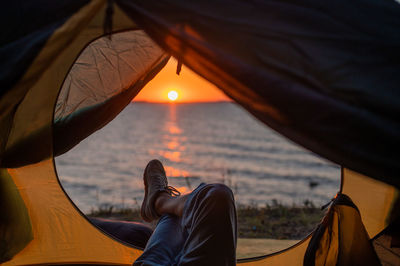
[190,87]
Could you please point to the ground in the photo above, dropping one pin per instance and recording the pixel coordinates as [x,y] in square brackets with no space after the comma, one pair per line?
[261,230]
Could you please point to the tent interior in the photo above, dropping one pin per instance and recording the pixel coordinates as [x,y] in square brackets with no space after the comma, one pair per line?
[332,88]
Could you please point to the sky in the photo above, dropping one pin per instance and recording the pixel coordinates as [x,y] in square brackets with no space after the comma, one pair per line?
[189,86]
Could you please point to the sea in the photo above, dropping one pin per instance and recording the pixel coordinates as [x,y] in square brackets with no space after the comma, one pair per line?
[197,142]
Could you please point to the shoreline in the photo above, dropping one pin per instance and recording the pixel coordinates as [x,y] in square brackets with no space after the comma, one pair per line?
[276,221]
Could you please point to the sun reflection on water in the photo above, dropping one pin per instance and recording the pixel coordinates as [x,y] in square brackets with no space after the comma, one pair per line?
[172,144]
[173,156]
[175,172]
[173,129]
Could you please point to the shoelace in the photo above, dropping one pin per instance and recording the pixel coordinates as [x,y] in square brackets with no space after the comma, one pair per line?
[172,191]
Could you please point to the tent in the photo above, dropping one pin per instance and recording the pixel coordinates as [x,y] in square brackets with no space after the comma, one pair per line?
[325,75]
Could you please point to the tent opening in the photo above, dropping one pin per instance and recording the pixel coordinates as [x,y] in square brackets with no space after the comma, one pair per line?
[202,137]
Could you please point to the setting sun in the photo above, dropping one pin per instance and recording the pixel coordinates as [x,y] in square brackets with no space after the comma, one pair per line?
[172,95]
[189,87]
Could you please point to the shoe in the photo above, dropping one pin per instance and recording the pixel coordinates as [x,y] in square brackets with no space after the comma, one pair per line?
[155,181]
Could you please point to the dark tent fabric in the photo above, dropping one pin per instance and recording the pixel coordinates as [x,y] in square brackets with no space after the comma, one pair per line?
[33,23]
[28,26]
[326,75]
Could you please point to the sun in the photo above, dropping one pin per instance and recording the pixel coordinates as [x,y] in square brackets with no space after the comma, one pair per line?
[172,95]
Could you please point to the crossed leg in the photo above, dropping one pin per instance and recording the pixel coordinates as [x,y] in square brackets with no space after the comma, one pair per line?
[194,229]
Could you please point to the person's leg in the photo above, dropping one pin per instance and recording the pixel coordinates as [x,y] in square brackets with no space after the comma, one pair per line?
[207,230]
[206,234]
[210,223]
[162,201]
[165,243]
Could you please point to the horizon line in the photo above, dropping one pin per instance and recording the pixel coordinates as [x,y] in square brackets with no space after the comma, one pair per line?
[178,102]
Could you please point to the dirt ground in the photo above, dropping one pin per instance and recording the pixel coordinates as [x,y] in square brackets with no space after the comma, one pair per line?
[252,247]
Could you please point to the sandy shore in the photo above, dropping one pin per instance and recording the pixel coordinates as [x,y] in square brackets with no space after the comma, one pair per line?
[251,247]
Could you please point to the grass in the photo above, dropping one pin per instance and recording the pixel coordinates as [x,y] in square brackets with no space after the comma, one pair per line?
[278,221]
[274,221]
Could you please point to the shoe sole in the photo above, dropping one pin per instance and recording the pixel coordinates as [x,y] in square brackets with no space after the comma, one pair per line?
[144,203]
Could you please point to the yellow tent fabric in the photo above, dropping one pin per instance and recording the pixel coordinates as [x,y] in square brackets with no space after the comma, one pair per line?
[377,201]
[16,228]
[341,238]
[61,234]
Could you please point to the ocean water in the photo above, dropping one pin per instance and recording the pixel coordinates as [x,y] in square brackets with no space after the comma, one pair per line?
[202,142]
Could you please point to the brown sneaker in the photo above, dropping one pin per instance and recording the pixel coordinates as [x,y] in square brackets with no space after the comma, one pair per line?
[155,181]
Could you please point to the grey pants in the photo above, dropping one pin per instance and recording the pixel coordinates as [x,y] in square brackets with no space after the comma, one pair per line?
[206,233]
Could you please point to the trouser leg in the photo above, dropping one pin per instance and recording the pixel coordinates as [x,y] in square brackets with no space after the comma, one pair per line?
[210,227]
[164,244]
